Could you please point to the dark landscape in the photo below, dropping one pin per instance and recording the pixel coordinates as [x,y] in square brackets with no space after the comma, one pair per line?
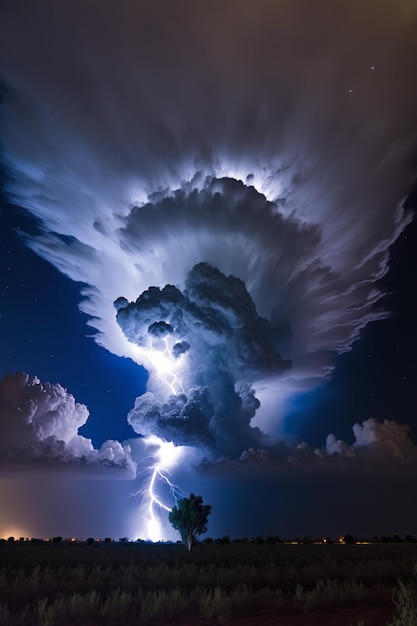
[262,581]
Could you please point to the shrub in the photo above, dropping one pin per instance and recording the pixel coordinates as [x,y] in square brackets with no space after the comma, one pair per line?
[327,593]
[214,603]
[45,613]
[405,599]
[163,603]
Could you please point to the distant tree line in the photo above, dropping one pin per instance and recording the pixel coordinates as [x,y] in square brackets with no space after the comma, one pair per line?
[269,539]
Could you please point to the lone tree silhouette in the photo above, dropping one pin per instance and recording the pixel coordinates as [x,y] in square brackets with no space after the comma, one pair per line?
[189,517]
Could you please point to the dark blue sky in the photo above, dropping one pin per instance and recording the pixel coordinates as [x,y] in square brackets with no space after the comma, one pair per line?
[43,333]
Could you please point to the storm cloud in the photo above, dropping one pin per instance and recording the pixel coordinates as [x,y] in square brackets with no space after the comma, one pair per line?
[39,423]
[207,345]
[259,159]
[267,145]
[378,448]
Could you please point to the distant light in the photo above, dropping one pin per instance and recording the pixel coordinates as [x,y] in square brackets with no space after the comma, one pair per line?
[13,532]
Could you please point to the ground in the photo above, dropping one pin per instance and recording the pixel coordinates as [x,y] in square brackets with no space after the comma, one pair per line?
[376,609]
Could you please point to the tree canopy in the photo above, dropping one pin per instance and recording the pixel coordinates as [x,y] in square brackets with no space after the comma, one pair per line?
[189,517]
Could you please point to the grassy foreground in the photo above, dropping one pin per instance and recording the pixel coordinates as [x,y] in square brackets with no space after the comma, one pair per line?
[135,583]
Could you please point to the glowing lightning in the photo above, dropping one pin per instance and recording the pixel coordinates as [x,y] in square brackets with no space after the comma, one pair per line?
[168,454]
[160,358]
[169,369]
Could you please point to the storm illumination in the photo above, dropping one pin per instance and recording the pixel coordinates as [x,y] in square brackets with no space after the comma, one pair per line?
[152,504]
[169,370]
[228,221]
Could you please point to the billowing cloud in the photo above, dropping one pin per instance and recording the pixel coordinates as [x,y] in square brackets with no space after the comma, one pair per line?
[182,419]
[206,345]
[375,441]
[337,446]
[387,438]
[214,310]
[377,446]
[39,425]
[280,158]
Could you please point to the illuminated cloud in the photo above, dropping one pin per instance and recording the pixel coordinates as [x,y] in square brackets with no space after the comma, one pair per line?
[39,425]
[381,446]
[375,441]
[140,163]
[387,438]
[202,394]
[252,138]
[337,446]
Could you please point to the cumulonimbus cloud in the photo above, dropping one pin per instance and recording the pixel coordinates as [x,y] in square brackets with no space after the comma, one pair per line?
[281,157]
[224,347]
[39,425]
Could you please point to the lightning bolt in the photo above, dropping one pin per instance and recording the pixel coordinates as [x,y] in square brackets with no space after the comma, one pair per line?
[153,505]
[169,369]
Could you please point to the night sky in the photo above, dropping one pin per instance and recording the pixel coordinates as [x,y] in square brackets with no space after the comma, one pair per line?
[262,161]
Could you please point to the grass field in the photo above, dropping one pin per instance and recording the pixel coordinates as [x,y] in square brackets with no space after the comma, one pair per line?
[137,583]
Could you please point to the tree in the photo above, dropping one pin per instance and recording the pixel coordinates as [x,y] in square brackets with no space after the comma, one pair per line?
[189,517]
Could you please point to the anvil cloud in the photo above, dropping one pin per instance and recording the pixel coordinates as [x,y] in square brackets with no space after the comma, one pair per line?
[269,158]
